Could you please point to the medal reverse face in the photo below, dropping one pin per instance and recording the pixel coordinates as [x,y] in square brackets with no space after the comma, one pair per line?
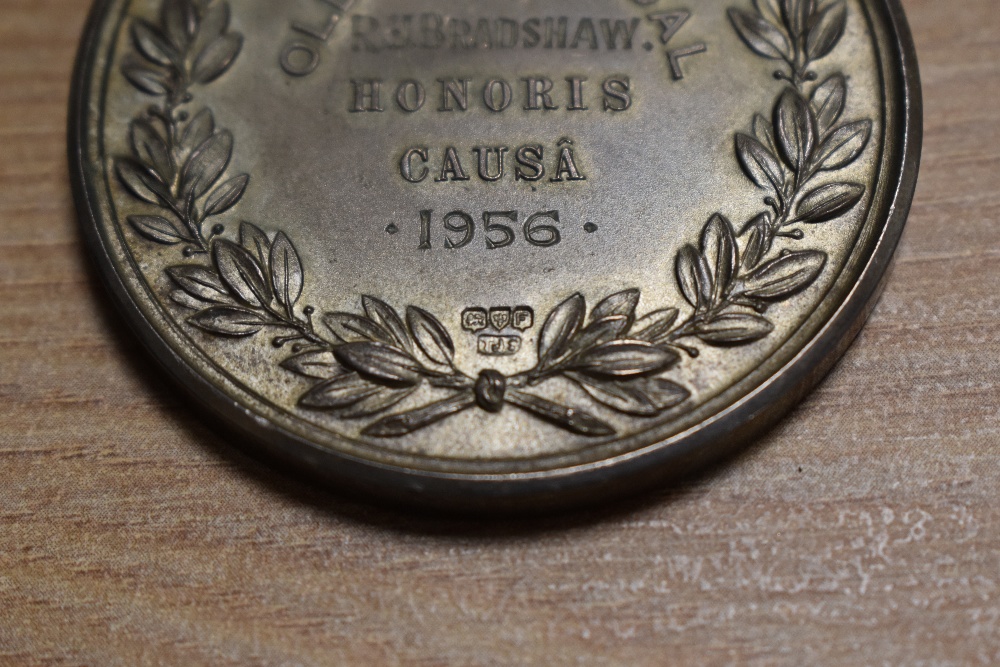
[486,255]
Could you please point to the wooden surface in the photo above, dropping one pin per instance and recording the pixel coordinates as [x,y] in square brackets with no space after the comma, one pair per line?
[865,529]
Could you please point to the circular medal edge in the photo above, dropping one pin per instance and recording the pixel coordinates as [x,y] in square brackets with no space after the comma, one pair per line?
[572,485]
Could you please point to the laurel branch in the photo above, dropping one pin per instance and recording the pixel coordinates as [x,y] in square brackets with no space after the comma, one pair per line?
[362,365]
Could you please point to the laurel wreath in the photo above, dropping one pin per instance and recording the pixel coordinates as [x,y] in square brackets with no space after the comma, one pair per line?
[361,365]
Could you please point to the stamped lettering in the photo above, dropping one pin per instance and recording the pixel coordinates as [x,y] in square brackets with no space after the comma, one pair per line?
[179,176]
[492,163]
[505,325]
[375,34]
[536,93]
[500,229]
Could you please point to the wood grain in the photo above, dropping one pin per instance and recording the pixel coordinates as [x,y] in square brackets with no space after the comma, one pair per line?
[865,529]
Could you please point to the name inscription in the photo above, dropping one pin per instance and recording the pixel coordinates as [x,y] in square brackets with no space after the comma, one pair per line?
[301,55]
[435,31]
[530,162]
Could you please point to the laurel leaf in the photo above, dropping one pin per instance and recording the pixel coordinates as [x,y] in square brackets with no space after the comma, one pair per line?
[560,326]
[151,149]
[718,247]
[381,362]
[201,283]
[140,181]
[827,29]
[733,329]
[182,298]
[351,328]
[829,201]
[656,325]
[642,397]
[241,273]
[843,146]
[286,271]
[376,403]
[198,130]
[206,164]
[217,57]
[156,228]
[383,314]
[770,10]
[318,364]
[759,164]
[152,44]
[226,195]
[760,241]
[785,276]
[339,392]
[795,127]
[431,336]
[796,14]
[599,332]
[180,22]
[763,38]
[622,303]
[214,20]
[763,131]
[625,358]
[229,321]
[828,101]
[693,277]
[255,241]
[148,80]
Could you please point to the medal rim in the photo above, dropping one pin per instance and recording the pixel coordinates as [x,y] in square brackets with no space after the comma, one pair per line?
[711,439]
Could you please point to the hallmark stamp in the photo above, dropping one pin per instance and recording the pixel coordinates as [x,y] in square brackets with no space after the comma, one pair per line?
[498,320]
[498,346]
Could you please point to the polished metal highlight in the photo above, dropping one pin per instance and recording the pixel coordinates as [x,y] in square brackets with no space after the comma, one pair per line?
[496,256]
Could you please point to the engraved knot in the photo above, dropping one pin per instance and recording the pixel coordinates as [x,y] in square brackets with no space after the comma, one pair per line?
[490,389]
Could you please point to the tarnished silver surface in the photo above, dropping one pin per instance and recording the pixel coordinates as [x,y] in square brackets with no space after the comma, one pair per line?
[496,254]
